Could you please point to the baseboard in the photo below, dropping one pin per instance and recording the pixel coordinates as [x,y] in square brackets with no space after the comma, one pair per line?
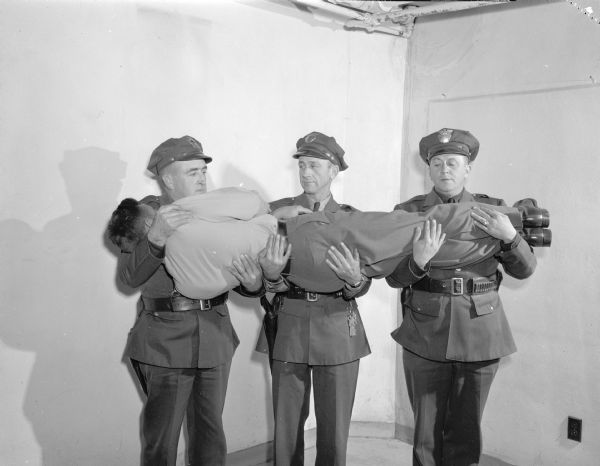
[404,433]
[258,454]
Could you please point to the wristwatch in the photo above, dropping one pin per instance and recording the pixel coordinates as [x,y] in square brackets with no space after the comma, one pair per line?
[355,286]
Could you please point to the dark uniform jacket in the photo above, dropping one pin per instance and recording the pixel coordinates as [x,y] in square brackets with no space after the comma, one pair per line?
[189,339]
[467,327]
[328,331]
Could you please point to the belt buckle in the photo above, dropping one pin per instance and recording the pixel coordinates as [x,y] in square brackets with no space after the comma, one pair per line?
[457,286]
[205,305]
[311,296]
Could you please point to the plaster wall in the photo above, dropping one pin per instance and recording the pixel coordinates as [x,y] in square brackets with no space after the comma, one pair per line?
[88,89]
[523,78]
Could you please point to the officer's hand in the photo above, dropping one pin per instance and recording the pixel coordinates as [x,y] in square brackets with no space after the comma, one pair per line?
[345,264]
[427,241]
[290,211]
[494,223]
[274,256]
[248,272]
[167,219]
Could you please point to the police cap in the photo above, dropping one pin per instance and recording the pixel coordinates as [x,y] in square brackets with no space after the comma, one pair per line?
[176,150]
[449,141]
[320,146]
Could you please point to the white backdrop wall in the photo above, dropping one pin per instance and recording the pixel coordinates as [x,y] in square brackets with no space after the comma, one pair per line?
[523,78]
[88,89]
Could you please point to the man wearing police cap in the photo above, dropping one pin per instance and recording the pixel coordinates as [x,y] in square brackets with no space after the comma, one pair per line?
[319,334]
[181,348]
[454,329]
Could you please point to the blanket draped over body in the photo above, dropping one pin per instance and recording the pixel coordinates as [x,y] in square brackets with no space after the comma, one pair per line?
[232,221]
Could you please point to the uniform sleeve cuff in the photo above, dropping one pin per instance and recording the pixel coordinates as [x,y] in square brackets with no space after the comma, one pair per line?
[274,286]
[510,246]
[417,271]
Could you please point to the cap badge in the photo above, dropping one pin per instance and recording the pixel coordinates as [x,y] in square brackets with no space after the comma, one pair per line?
[444,135]
[310,138]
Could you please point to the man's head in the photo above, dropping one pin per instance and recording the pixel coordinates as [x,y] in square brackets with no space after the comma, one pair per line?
[129,223]
[320,159]
[449,153]
[180,166]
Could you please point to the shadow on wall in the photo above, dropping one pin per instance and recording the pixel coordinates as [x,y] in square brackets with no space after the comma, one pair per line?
[247,362]
[55,304]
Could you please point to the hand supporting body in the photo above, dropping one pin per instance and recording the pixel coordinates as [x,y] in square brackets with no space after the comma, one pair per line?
[383,239]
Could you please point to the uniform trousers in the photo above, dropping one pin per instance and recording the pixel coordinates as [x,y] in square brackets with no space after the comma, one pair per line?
[447,399]
[171,393]
[334,389]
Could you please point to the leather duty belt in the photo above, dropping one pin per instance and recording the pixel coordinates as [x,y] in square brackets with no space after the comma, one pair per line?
[457,285]
[295,292]
[182,304]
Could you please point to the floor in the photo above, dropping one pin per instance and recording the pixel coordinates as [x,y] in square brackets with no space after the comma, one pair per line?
[369,444]
[365,451]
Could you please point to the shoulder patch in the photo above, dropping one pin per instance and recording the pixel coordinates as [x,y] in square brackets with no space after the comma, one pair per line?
[347,208]
[286,201]
[412,204]
[484,198]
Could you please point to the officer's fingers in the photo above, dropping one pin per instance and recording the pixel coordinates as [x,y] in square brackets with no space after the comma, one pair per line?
[347,251]
[344,260]
[335,256]
[478,215]
[433,228]
[283,244]
[288,251]
[488,211]
[442,239]
[177,214]
[240,265]
[427,231]
[269,242]
[234,272]
[417,234]
[262,255]
[173,213]
[250,264]
[332,266]
[438,231]
[239,277]
[275,243]
[273,249]
[355,255]
[279,246]
[165,209]
[335,252]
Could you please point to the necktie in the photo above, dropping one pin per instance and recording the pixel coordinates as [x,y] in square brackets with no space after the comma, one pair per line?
[452,200]
[316,206]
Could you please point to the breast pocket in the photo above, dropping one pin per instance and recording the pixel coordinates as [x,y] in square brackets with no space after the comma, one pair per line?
[485,303]
[427,304]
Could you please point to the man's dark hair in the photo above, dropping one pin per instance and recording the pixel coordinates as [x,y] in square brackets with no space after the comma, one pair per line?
[124,223]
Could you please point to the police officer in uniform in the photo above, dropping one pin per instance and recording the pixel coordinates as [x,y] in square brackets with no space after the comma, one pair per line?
[181,348]
[454,328]
[320,336]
